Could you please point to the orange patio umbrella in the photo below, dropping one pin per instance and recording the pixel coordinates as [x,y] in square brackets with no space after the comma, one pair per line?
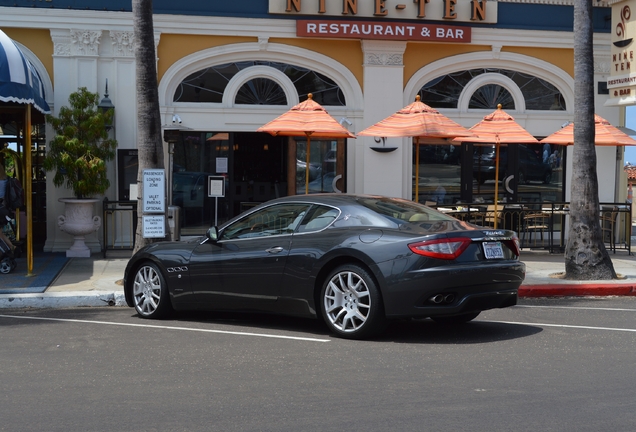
[498,128]
[604,135]
[419,121]
[310,119]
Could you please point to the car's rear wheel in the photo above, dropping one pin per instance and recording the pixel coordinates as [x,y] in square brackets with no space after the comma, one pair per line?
[351,303]
[150,292]
[456,319]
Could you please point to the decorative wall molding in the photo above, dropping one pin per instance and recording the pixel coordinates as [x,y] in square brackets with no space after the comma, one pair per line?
[383,59]
[85,42]
[262,42]
[61,43]
[602,64]
[382,53]
[496,51]
[123,43]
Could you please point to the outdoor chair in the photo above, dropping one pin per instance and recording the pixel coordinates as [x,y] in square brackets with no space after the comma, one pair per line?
[535,223]
[608,226]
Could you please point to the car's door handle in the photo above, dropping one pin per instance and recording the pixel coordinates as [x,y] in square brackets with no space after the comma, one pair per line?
[274,250]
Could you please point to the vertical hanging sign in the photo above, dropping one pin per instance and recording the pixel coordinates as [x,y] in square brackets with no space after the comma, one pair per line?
[154,201]
[622,81]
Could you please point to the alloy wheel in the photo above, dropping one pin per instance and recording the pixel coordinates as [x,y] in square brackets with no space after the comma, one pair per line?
[347,301]
[150,292]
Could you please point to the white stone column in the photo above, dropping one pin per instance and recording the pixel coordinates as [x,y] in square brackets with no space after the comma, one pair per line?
[382,173]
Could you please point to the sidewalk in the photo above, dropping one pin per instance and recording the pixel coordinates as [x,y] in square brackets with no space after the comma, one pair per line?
[96,281]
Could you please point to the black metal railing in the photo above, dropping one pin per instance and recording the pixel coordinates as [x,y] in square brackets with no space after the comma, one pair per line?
[543,224]
[119,225]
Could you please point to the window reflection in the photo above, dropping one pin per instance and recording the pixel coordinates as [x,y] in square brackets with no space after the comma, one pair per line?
[439,173]
[527,173]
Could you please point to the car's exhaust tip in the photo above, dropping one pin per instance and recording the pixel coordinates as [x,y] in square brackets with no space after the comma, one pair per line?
[442,298]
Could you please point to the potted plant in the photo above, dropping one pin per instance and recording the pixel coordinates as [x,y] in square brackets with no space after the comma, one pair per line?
[78,154]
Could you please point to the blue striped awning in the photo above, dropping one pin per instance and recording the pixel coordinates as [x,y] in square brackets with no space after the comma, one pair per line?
[19,81]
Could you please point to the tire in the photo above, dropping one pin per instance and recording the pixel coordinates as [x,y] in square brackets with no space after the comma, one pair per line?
[456,319]
[150,292]
[351,303]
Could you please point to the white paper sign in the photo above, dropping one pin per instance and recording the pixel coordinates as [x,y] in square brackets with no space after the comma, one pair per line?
[154,191]
[221,165]
[216,186]
[154,226]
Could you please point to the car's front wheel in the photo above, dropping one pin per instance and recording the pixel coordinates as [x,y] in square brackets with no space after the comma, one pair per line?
[150,292]
[351,303]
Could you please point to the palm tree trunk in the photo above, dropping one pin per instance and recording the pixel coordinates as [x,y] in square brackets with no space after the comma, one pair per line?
[149,141]
[585,255]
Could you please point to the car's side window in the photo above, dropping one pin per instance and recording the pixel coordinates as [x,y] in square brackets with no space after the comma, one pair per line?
[320,217]
[277,219]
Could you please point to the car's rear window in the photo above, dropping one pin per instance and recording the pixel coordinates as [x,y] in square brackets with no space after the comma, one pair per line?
[392,211]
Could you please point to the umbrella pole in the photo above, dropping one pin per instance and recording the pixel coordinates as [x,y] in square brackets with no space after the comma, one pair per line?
[417,170]
[28,187]
[496,179]
[307,166]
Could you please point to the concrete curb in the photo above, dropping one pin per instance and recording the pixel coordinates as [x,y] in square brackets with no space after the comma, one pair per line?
[578,290]
[62,300]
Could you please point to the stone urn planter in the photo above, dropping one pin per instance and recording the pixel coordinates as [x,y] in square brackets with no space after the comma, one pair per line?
[79,221]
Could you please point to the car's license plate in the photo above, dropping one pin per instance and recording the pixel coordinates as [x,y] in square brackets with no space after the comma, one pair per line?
[493,250]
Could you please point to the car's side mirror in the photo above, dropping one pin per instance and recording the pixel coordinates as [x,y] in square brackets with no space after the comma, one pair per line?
[213,233]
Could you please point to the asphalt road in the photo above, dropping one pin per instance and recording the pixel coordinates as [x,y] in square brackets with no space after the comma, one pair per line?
[546,365]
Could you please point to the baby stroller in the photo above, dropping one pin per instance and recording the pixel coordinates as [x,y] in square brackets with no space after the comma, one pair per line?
[7,260]
[7,256]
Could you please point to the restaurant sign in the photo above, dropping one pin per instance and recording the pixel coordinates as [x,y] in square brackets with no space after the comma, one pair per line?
[479,11]
[622,81]
[383,30]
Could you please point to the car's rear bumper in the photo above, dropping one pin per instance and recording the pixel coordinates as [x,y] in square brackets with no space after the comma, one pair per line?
[463,289]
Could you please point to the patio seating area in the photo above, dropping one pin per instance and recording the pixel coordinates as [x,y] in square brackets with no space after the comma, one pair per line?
[543,225]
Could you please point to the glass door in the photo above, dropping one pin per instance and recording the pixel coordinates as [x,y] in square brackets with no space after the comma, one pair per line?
[326,166]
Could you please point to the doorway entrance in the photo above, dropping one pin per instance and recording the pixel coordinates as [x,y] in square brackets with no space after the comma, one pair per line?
[256,167]
[252,164]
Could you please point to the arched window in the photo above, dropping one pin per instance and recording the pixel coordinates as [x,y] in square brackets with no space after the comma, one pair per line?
[490,96]
[444,91]
[208,85]
[261,91]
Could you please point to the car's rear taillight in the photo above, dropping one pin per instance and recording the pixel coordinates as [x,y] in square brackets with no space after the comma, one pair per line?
[449,248]
[514,245]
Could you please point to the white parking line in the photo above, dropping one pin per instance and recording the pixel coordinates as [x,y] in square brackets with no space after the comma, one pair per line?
[578,307]
[170,328]
[561,325]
